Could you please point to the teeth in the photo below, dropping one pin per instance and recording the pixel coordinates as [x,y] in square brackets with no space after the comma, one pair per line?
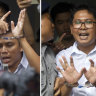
[83,34]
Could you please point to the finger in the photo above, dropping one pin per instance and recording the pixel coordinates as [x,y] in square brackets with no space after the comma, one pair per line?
[82,71]
[2,28]
[56,84]
[22,16]
[61,71]
[63,65]
[71,61]
[57,92]
[12,25]
[61,37]
[92,63]
[7,26]
[5,16]
[65,61]
[24,2]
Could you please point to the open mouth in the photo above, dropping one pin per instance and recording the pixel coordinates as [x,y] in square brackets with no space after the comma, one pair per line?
[5,59]
[83,36]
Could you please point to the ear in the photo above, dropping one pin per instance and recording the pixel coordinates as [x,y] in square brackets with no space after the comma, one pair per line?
[71,28]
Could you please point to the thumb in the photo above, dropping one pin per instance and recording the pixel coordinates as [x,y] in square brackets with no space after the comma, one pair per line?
[56,84]
[61,37]
[82,71]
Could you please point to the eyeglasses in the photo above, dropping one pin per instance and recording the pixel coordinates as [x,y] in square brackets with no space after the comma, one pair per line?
[87,23]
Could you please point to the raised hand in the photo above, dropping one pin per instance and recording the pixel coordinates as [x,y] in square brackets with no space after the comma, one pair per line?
[24,3]
[18,29]
[91,73]
[3,24]
[58,46]
[70,73]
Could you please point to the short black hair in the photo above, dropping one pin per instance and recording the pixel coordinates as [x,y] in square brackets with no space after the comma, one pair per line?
[60,7]
[45,7]
[90,9]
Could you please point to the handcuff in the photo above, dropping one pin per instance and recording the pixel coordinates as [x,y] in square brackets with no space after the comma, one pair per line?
[87,85]
[8,38]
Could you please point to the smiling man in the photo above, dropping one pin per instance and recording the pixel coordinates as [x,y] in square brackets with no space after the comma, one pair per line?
[77,63]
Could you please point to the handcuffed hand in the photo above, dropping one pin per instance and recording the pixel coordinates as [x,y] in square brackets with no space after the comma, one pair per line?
[18,29]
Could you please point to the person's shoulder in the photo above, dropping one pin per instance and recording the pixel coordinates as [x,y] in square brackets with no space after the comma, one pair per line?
[65,51]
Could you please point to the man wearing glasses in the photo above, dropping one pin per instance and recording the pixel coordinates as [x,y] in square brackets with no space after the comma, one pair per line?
[77,64]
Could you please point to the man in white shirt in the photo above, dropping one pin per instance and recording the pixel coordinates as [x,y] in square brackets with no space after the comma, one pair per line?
[77,63]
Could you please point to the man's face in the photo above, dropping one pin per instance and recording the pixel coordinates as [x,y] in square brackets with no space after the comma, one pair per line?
[10,51]
[47,29]
[83,35]
[62,24]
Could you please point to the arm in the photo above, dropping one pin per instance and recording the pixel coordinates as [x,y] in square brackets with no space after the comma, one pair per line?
[60,88]
[70,76]
[28,30]
[65,90]
[33,58]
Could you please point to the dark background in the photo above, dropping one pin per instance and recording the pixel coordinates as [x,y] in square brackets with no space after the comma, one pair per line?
[90,2]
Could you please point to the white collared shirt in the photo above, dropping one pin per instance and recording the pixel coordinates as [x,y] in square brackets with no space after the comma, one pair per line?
[80,60]
[23,65]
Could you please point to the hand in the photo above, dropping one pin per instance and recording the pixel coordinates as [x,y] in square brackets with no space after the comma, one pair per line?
[70,73]
[91,73]
[3,24]
[24,3]
[18,29]
[58,84]
[58,46]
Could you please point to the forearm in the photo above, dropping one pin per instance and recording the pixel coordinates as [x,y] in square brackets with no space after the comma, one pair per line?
[59,84]
[28,31]
[65,90]
[33,58]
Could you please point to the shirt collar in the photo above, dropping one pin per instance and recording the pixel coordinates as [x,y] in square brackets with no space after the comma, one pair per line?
[24,61]
[76,50]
